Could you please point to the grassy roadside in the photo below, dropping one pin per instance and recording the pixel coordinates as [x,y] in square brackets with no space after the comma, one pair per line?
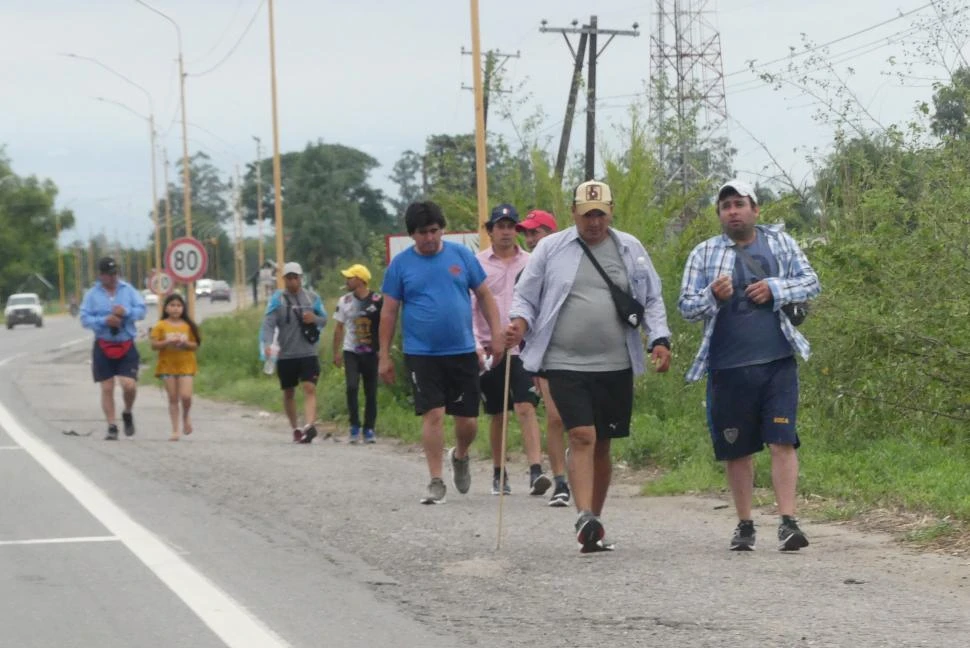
[897,477]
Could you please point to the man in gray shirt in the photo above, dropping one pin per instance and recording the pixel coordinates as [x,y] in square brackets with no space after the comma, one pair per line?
[298,314]
[565,311]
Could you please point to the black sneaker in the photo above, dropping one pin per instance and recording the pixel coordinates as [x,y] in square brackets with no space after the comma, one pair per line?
[506,489]
[790,537]
[129,422]
[560,496]
[540,484]
[589,532]
[112,434]
[309,434]
[743,538]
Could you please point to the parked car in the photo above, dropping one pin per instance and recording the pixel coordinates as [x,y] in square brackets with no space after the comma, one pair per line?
[24,308]
[220,290]
[151,299]
[203,287]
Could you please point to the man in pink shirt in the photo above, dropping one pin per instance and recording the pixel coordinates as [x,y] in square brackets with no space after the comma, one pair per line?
[537,225]
[503,261]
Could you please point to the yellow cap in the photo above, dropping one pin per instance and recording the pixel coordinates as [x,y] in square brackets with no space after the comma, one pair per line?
[357,271]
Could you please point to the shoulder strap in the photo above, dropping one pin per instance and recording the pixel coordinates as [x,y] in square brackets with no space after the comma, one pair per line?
[750,262]
[596,264]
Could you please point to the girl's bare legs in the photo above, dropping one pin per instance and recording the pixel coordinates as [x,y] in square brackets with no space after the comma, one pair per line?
[171,390]
[185,396]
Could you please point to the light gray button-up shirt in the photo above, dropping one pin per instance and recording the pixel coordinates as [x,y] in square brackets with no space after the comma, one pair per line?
[548,277]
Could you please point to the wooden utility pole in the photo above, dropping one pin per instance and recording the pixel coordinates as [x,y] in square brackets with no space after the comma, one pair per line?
[591,30]
[492,67]
[259,203]
[480,158]
[277,179]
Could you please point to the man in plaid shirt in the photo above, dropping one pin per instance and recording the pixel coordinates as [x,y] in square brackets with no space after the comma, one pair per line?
[737,283]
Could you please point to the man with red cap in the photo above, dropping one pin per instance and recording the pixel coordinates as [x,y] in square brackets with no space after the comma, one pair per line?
[537,225]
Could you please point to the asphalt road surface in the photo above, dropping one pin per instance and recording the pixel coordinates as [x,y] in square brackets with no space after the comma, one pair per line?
[236,537]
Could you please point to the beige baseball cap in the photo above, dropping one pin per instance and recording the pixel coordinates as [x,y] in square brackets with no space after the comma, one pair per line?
[591,195]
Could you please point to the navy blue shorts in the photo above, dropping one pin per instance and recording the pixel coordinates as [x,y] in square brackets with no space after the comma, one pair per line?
[748,407]
[104,368]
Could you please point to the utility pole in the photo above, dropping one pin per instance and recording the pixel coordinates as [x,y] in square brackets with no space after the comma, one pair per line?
[579,55]
[259,202]
[240,264]
[592,30]
[277,177]
[491,69]
[481,170]
[168,205]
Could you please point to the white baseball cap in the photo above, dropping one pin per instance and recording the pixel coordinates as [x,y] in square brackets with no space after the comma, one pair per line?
[739,187]
[292,267]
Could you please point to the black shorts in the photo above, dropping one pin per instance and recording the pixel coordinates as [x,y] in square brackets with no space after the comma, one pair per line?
[521,389]
[603,399]
[444,381]
[104,368]
[748,407]
[292,371]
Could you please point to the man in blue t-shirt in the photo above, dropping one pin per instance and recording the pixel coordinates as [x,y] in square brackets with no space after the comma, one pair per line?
[430,283]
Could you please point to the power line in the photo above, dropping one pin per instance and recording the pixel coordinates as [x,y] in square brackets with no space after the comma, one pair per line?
[218,42]
[814,48]
[233,48]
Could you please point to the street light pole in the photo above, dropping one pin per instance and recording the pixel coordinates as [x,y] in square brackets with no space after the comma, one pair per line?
[168,201]
[186,180]
[277,180]
[60,260]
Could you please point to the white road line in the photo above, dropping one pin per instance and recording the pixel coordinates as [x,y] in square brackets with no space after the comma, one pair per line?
[73,342]
[228,619]
[10,448]
[13,357]
[60,540]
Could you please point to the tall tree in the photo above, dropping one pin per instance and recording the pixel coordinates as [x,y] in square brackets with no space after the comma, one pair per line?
[28,228]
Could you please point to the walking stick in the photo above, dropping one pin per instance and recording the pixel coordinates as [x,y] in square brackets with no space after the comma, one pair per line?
[505,430]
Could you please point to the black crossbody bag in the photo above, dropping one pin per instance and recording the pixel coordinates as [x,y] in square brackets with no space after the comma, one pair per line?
[796,312]
[310,331]
[628,309]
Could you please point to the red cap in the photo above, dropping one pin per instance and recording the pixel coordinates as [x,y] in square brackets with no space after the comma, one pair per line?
[535,218]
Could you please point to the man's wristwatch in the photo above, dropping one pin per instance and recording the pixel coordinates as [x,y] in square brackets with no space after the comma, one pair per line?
[664,342]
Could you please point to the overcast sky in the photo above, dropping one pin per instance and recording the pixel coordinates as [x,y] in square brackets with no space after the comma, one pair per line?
[381,75]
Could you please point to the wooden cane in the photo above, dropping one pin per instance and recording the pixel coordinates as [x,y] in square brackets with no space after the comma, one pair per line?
[505,430]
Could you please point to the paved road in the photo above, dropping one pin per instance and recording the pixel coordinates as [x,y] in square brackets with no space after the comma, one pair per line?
[235,537]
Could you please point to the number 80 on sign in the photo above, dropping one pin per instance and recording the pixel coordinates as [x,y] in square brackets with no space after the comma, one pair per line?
[186,259]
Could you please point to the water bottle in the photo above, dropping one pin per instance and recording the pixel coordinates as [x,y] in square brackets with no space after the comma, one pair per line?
[269,367]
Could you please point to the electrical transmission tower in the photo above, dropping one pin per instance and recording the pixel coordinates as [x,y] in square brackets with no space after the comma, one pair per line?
[688,102]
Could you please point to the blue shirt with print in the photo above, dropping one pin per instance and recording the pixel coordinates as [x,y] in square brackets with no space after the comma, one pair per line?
[436,306]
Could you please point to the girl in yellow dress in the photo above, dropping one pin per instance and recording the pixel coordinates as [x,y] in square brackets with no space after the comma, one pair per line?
[176,338]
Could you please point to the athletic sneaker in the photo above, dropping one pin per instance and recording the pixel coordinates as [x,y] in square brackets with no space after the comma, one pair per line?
[112,434]
[129,423]
[589,532]
[743,537]
[560,496]
[436,492]
[505,487]
[790,537]
[297,435]
[355,434]
[461,469]
[309,434]
[369,436]
[540,484]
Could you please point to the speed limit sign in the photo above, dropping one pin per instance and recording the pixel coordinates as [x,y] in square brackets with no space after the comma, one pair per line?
[186,259]
[161,283]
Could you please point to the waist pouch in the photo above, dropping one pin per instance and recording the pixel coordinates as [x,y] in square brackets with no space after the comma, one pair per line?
[114,350]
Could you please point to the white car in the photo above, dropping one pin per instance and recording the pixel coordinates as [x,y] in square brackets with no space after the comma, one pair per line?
[151,299]
[24,308]
[203,287]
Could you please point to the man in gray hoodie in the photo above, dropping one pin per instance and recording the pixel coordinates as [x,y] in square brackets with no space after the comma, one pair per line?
[298,314]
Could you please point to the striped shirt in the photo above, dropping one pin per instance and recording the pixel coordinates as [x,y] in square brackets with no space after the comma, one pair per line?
[548,279]
[797,282]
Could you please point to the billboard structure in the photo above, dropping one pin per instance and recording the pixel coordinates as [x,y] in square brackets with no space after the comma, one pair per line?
[396,243]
